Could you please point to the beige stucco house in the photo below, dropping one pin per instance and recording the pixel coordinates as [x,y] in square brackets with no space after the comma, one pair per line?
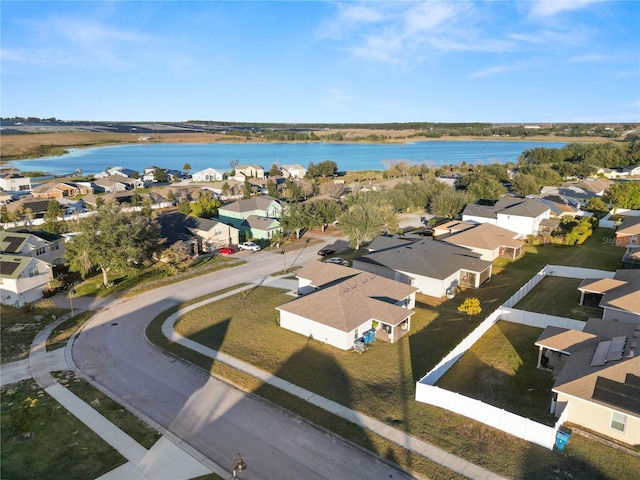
[339,304]
[597,376]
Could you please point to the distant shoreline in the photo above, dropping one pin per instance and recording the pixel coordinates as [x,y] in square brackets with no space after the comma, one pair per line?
[28,146]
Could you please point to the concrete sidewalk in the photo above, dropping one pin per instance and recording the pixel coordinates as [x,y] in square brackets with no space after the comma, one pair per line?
[399,437]
[164,461]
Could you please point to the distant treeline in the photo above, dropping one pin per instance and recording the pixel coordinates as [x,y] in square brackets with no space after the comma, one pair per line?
[435,130]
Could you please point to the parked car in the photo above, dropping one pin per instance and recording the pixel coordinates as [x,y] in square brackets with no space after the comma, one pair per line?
[338,261]
[249,246]
[227,250]
[326,251]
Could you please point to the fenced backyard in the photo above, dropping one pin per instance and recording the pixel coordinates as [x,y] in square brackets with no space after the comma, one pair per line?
[516,425]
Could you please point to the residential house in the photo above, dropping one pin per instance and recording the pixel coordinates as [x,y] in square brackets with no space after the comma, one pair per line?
[597,376]
[212,234]
[174,230]
[14,182]
[36,208]
[60,190]
[340,304]
[631,170]
[619,296]
[563,207]
[579,192]
[435,268]
[489,241]
[631,258]
[451,228]
[248,171]
[292,171]
[23,279]
[48,247]
[628,233]
[244,215]
[521,215]
[208,175]
[114,183]
[121,171]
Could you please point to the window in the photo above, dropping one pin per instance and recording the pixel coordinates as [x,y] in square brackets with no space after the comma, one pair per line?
[218,231]
[33,271]
[618,421]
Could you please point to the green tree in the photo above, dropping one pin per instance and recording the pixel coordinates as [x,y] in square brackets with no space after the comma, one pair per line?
[272,189]
[52,218]
[205,207]
[275,170]
[184,206]
[367,216]
[486,188]
[187,168]
[4,214]
[524,184]
[295,218]
[326,211]
[160,175]
[470,306]
[246,189]
[226,189]
[449,202]
[113,240]
[623,195]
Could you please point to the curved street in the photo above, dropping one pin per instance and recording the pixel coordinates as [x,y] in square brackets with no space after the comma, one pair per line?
[209,415]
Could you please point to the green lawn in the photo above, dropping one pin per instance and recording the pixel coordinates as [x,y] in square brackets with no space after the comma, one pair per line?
[18,328]
[380,382]
[110,409]
[45,441]
[63,332]
[561,298]
[500,369]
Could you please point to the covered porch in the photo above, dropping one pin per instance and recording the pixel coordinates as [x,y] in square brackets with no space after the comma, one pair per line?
[387,332]
[555,345]
[468,278]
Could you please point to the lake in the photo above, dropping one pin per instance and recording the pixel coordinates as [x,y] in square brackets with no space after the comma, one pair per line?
[349,157]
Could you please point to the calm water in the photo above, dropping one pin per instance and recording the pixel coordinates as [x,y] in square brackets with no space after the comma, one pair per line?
[347,156]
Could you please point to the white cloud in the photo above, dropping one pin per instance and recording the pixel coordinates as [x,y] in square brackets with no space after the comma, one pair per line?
[549,8]
[491,71]
[588,57]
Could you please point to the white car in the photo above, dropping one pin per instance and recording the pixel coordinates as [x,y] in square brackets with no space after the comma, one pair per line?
[338,261]
[249,246]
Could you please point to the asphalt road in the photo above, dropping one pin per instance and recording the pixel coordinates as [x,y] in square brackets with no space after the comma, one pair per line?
[208,414]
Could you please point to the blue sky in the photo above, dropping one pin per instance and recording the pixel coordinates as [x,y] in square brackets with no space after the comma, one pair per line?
[320,61]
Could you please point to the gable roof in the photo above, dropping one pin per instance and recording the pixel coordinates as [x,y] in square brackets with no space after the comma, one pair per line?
[580,379]
[353,300]
[429,258]
[383,242]
[260,223]
[485,236]
[521,207]
[12,242]
[12,266]
[629,226]
[261,202]
[321,276]
[36,206]
[174,227]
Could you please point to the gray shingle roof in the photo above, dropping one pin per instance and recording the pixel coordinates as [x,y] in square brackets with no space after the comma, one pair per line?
[429,258]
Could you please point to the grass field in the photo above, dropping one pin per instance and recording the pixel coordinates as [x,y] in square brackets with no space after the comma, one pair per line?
[381,382]
[111,410]
[19,327]
[42,440]
[500,369]
[561,298]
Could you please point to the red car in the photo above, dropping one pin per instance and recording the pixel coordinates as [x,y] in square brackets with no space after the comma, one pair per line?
[226,250]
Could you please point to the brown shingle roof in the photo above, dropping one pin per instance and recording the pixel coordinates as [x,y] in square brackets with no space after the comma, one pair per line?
[353,301]
[486,236]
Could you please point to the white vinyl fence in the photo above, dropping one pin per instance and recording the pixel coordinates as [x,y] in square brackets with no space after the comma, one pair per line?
[495,417]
